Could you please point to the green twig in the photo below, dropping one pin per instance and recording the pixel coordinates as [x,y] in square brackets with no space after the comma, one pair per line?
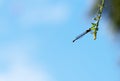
[94,27]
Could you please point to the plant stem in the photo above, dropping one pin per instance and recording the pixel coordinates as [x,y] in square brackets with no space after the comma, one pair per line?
[95,25]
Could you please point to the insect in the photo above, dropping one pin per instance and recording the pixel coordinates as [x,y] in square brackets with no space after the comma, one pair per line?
[93,28]
[81,35]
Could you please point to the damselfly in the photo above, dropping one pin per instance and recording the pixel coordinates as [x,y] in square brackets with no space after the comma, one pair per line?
[81,35]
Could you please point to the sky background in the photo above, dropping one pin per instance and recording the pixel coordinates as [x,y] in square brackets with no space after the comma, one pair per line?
[36,42]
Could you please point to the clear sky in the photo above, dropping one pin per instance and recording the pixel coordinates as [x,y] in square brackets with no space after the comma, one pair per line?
[36,42]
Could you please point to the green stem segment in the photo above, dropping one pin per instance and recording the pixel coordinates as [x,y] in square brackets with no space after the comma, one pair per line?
[97,19]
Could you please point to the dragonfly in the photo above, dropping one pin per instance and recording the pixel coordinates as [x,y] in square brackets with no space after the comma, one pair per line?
[81,35]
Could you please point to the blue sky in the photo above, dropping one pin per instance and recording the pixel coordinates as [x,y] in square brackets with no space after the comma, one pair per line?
[36,42]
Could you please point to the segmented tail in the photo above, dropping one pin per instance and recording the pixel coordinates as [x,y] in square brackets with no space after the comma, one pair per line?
[81,35]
